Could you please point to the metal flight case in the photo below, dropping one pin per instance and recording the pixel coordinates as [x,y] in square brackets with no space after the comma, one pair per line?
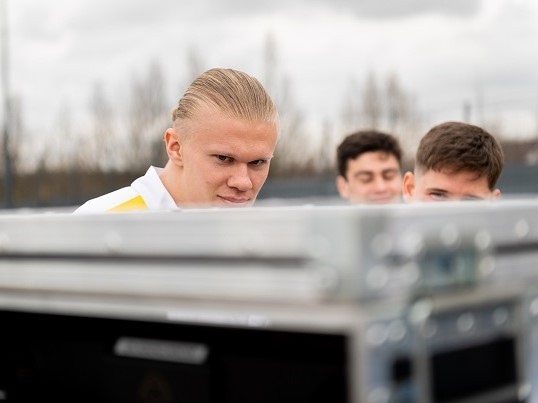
[389,304]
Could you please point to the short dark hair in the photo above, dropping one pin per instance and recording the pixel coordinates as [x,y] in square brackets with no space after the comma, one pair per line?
[365,141]
[458,147]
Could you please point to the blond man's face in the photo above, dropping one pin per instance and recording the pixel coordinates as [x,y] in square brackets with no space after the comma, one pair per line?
[223,161]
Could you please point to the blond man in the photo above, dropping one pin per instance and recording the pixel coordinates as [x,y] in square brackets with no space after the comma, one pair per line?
[219,148]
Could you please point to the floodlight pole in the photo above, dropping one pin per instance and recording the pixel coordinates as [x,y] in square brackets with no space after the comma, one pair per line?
[8,169]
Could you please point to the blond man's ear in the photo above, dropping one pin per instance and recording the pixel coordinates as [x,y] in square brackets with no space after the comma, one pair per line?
[173,146]
[408,187]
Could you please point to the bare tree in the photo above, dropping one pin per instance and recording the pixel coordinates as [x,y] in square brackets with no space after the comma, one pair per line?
[390,108]
[18,159]
[147,119]
[396,103]
[101,153]
[291,154]
[401,114]
[371,103]
[14,160]
[270,64]
[327,149]
[351,111]
[60,149]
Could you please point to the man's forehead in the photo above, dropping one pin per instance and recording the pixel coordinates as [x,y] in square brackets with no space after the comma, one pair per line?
[378,154]
[373,161]
[468,182]
[469,175]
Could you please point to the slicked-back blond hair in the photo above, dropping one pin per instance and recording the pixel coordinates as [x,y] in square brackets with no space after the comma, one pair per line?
[230,91]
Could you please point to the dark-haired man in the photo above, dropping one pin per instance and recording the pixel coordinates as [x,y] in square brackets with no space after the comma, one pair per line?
[455,161]
[369,168]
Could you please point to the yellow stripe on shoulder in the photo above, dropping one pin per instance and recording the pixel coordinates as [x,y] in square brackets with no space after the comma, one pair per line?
[136,203]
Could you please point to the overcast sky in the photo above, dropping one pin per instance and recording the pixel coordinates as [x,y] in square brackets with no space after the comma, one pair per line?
[444,52]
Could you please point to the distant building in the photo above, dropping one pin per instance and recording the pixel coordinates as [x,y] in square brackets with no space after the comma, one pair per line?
[523,152]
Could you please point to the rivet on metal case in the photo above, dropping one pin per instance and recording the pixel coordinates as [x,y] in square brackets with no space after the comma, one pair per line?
[486,266]
[396,331]
[382,244]
[113,241]
[412,243]
[379,395]
[411,273]
[524,391]
[319,247]
[482,239]
[533,307]
[430,329]
[420,311]
[328,279]
[465,322]
[522,228]
[450,236]
[500,316]
[377,334]
[377,277]
[4,241]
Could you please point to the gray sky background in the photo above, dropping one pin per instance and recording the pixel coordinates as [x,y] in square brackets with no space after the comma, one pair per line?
[443,52]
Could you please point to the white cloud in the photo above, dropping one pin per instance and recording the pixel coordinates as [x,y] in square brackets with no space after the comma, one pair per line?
[381,9]
[445,52]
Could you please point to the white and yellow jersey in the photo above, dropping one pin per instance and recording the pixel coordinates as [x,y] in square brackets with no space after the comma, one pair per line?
[145,193]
